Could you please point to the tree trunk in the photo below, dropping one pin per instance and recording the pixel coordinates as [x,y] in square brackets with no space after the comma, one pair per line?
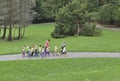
[10,33]
[4,32]
[111,21]
[0,29]
[19,32]
[20,20]
[78,29]
[23,32]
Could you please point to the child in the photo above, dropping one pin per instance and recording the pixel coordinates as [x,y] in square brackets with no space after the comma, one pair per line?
[47,51]
[29,52]
[64,51]
[36,51]
[27,49]
[33,50]
[56,50]
[43,51]
[39,49]
[63,45]
[23,52]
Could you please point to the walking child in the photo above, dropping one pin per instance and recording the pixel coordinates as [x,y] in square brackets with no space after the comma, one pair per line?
[39,49]
[29,52]
[47,51]
[23,51]
[43,52]
[33,50]
[64,51]
[63,45]
[36,51]
[56,50]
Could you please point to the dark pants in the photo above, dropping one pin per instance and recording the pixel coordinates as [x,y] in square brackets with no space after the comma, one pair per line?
[23,54]
[42,55]
[36,54]
[47,53]
[32,53]
[62,50]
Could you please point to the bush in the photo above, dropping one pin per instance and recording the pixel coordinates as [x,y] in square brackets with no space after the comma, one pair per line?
[90,30]
[56,35]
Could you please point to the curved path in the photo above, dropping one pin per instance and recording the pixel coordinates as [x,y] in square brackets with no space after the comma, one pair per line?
[108,28]
[69,55]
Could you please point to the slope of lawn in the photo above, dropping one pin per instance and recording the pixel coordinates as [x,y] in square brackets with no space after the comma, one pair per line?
[37,34]
[80,69]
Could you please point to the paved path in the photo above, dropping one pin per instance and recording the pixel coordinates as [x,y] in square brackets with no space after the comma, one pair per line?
[108,28]
[69,55]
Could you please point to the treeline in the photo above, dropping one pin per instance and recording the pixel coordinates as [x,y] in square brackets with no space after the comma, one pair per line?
[105,11]
[46,10]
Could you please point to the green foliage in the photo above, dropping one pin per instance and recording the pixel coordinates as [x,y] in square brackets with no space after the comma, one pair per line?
[118,14]
[38,9]
[108,9]
[93,5]
[47,9]
[94,16]
[90,30]
[108,12]
[69,17]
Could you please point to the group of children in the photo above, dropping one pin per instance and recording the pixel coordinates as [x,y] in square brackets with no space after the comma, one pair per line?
[42,51]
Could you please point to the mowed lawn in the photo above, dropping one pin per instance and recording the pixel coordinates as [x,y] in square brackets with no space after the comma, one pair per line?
[79,69]
[37,34]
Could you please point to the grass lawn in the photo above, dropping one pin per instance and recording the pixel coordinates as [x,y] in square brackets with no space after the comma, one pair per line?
[109,41]
[79,69]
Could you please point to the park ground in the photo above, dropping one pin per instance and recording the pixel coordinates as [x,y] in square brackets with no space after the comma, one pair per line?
[39,33]
[100,62]
[71,69]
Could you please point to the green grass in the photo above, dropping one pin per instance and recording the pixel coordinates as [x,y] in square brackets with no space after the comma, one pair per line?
[109,41]
[80,69]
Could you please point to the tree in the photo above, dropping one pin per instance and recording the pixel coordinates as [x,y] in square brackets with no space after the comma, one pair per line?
[108,12]
[71,19]
[11,16]
[15,14]
[3,17]
[24,16]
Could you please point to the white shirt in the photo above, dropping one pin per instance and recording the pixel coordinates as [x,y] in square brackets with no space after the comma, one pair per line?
[64,49]
[43,49]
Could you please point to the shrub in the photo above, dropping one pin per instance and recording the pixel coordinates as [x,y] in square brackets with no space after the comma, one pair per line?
[90,30]
[56,35]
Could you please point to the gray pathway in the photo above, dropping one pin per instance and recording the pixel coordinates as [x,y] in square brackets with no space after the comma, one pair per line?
[108,28]
[69,55]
